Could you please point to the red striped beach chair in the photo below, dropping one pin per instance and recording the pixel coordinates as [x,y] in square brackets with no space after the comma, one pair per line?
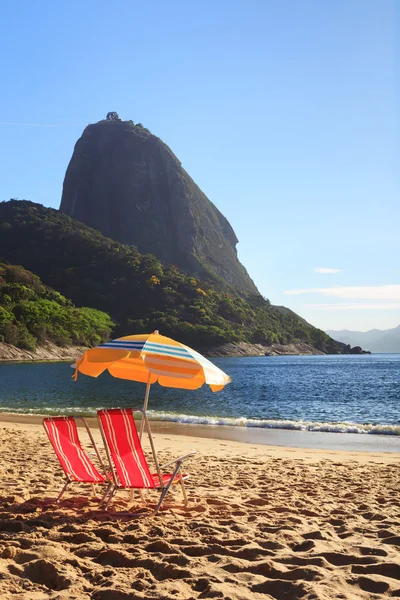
[76,464]
[128,463]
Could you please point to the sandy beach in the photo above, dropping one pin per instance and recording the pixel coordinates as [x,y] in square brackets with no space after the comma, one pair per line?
[262,522]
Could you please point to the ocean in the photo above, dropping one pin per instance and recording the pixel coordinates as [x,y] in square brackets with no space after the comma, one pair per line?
[346,394]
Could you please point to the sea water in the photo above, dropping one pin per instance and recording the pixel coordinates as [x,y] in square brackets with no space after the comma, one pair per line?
[347,394]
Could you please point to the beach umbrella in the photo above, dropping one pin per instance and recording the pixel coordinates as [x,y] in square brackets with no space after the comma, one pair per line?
[151,357]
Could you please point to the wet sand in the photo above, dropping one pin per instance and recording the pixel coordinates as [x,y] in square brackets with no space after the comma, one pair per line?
[350,442]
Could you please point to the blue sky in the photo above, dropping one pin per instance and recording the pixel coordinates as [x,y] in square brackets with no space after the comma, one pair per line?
[283,111]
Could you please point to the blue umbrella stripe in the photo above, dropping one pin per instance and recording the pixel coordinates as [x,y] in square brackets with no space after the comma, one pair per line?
[124,345]
[168,350]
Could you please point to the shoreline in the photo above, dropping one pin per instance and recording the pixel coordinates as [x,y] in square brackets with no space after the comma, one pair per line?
[313,441]
[49,352]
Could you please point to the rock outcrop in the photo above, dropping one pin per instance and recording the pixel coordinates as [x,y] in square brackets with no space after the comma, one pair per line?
[358,350]
[127,183]
[246,349]
[46,352]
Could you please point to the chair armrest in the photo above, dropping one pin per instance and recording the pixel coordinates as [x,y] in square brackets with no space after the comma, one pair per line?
[178,460]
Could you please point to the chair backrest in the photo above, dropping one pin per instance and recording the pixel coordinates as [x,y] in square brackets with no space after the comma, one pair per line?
[125,449]
[63,436]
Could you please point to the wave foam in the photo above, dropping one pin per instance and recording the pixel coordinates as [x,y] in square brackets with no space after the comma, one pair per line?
[330,427]
[345,427]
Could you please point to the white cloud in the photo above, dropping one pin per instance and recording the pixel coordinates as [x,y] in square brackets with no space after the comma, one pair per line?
[355,306]
[326,270]
[379,292]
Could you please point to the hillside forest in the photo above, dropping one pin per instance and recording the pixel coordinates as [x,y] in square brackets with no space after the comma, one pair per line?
[63,281]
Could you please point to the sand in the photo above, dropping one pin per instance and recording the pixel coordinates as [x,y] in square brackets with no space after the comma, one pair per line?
[262,522]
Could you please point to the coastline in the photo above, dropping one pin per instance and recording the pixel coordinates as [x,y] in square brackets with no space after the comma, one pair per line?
[49,352]
[245,349]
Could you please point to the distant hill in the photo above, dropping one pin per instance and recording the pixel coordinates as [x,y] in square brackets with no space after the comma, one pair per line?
[32,314]
[374,340]
[128,184]
[138,291]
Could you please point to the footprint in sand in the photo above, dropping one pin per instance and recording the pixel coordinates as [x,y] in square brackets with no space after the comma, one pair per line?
[297,561]
[391,570]
[48,574]
[366,551]
[393,540]
[370,585]
[304,547]
[385,533]
[313,535]
[280,589]
[339,559]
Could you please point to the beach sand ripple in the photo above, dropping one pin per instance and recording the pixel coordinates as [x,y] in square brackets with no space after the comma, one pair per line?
[262,522]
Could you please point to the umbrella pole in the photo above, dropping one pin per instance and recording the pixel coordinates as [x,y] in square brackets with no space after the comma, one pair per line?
[146,401]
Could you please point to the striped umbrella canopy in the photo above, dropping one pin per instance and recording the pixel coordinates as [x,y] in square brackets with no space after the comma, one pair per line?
[151,357]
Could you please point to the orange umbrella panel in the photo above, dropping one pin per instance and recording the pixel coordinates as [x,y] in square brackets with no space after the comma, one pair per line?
[152,357]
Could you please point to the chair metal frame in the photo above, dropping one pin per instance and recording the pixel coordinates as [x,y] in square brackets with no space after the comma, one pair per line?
[107,481]
[175,477]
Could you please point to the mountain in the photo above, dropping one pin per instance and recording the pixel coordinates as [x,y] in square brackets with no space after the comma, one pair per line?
[128,184]
[138,291]
[375,340]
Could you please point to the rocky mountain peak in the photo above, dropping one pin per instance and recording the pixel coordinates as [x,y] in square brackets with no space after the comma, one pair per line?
[127,183]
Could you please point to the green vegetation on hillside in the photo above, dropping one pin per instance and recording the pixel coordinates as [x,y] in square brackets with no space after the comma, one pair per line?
[32,313]
[137,291]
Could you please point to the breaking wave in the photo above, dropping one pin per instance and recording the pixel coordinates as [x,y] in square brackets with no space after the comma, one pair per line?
[345,427]
[242,422]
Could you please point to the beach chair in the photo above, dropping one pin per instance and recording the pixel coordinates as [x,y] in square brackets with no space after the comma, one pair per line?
[76,464]
[128,462]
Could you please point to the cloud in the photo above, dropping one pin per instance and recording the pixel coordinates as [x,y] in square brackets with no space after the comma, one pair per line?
[379,292]
[326,270]
[355,306]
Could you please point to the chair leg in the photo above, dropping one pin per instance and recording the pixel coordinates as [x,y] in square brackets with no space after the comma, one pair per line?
[141,493]
[108,490]
[166,489]
[185,498]
[60,495]
[110,497]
